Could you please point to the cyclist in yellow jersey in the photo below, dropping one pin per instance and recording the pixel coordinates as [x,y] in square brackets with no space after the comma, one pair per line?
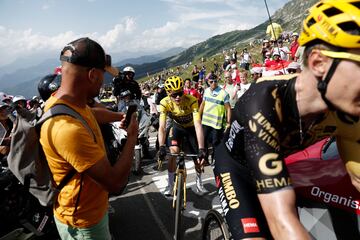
[277,117]
[184,111]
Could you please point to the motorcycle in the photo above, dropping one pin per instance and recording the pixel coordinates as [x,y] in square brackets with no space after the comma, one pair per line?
[21,215]
[328,202]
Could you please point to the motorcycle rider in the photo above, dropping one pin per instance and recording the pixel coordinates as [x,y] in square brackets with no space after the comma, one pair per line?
[125,81]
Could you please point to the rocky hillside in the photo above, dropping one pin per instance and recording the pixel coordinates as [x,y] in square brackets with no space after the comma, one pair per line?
[290,16]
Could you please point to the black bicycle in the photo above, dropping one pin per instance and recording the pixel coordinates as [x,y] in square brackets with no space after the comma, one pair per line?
[215,227]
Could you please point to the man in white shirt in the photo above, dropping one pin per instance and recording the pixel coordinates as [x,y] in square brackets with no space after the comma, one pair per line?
[231,88]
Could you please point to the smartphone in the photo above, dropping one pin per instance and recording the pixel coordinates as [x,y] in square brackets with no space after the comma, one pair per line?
[107,60]
[130,111]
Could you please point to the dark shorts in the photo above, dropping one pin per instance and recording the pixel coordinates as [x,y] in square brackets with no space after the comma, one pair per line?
[178,134]
[238,198]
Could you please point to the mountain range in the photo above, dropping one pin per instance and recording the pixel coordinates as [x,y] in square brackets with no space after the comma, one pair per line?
[24,81]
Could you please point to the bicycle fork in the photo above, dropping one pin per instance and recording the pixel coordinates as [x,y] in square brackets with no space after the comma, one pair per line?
[180,173]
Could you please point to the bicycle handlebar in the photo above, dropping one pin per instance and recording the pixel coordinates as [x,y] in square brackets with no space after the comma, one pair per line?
[182,154]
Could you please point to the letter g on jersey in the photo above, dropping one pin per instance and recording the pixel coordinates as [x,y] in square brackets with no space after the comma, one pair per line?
[270,165]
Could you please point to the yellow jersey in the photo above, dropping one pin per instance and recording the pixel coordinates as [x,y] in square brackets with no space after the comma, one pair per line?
[184,113]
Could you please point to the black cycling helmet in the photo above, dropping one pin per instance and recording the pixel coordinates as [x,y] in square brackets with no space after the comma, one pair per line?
[49,84]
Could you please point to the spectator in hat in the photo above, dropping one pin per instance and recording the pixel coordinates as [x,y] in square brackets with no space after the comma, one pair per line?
[226,63]
[256,73]
[266,47]
[283,50]
[6,98]
[5,129]
[294,45]
[293,67]
[276,62]
[82,204]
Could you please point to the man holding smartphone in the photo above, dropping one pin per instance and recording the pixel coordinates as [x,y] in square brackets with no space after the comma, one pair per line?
[81,208]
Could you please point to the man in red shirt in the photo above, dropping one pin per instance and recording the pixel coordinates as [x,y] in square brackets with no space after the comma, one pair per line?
[294,45]
[188,89]
[276,63]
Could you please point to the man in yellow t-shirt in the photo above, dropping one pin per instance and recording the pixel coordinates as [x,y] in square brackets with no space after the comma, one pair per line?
[81,206]
[274,30]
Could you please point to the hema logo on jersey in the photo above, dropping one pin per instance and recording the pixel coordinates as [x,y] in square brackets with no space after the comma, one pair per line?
[250,225]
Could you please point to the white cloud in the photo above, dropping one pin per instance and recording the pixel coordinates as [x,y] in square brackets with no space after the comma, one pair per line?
[45,7]
[168,28]
[113,38]
[192,21]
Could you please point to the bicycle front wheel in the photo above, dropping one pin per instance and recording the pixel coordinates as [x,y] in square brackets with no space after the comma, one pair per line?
[215,227]
[179,206]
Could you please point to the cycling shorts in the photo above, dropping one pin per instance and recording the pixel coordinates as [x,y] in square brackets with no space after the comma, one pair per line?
[178,134]
[238,198]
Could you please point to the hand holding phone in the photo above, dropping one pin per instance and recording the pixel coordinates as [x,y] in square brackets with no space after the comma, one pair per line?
[130,111]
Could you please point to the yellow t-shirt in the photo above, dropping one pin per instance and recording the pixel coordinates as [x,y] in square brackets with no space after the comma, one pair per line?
[68,144]
[183,114]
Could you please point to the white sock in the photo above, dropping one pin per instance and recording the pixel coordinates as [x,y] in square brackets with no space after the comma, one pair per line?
[198,175]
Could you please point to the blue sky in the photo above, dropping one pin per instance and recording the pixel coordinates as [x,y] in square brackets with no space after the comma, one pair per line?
[38,26]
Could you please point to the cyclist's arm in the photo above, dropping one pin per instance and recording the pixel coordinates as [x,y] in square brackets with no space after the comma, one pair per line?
[201,109]
[228,114]
[280,212]
[227,109]
[162,126]
[197,124]
[199,133]
[274,190]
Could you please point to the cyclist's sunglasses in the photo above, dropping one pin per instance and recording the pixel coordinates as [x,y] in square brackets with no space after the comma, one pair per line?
[342,55]
[212,81]
[177,94]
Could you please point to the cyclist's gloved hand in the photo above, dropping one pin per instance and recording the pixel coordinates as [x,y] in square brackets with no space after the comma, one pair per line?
[201,160]
[201,154]
[162,152]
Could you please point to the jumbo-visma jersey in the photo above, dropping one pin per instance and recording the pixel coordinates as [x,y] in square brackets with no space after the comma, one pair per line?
[183,114]
[265,128]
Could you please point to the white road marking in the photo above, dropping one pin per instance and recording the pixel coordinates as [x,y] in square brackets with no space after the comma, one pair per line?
[162,227]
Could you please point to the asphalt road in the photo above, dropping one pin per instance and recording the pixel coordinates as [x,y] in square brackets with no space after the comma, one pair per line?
[143,212]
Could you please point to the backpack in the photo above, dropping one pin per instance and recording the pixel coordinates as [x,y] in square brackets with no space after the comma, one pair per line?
[27,160]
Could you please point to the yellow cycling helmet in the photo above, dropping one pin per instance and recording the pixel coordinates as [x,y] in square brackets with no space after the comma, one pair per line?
[335,22]
[174,84]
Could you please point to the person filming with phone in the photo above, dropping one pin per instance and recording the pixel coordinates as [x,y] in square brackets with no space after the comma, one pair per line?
[81,208]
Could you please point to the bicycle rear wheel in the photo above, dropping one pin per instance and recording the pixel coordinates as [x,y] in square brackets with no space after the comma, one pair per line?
[215,227]
[179,206]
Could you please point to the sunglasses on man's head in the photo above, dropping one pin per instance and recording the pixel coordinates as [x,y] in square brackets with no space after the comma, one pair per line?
[176,94]
[212,81]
